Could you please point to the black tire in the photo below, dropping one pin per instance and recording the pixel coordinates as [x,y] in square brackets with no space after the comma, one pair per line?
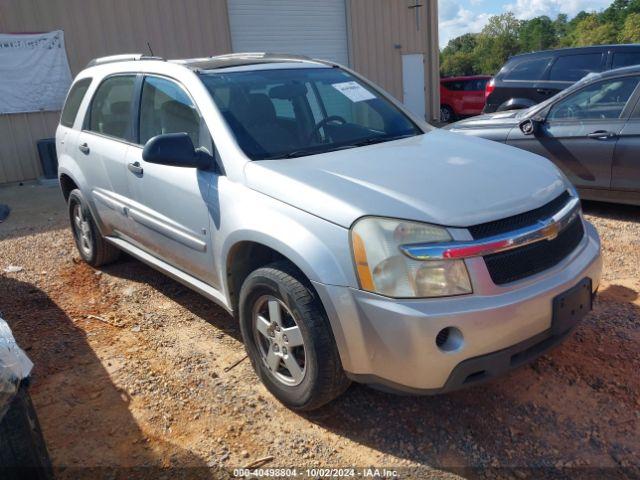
[447,115]
[323,379]
[23,453]
[93,248]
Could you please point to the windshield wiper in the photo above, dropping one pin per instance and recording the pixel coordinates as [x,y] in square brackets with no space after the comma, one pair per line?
[374,140]
[361,143]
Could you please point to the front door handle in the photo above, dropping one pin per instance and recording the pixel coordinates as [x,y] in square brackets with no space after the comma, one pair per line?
[135,168]
[601,135]
[84,148]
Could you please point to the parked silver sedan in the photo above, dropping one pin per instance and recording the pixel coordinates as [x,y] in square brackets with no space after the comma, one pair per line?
[591,131]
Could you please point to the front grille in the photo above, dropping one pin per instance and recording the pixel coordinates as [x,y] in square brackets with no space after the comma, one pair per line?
[536,257]
[521,220]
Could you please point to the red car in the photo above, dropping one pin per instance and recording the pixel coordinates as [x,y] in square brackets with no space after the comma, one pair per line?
[462,96]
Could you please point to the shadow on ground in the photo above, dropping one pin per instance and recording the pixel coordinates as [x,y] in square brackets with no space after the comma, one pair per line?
[612,211]
[85,418]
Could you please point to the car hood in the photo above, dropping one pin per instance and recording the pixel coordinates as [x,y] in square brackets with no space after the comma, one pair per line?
[488,120]
[438,177]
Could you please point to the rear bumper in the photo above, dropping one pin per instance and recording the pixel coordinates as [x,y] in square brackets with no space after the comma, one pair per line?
[391,343]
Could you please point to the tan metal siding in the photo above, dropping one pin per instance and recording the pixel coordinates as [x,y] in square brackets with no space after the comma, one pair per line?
[94,28]
[382,30]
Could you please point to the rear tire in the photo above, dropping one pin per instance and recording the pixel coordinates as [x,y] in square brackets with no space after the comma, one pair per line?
[93,248]
[447,114]
[302,370]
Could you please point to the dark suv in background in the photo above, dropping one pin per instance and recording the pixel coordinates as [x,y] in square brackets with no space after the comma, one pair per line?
[531,78]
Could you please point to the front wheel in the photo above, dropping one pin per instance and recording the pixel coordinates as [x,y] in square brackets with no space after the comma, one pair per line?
[288,338]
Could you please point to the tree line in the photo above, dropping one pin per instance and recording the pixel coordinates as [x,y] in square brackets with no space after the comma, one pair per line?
[505,35]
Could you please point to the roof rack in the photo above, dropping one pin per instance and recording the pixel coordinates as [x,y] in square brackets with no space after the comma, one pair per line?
[127,57]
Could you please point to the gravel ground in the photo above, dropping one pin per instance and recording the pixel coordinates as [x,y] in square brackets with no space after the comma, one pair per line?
[131,372]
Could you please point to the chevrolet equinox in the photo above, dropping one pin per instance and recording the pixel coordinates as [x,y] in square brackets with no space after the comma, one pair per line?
[351,240]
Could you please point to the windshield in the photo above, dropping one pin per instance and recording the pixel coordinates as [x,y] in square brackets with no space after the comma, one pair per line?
[286,113]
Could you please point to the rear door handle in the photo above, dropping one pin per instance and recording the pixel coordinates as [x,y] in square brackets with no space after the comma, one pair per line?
[544,91]
[135,168]
[601,135]
[84,148]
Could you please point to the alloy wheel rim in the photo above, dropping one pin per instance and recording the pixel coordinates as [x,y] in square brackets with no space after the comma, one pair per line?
[279,340]
[82,228]
[444,115]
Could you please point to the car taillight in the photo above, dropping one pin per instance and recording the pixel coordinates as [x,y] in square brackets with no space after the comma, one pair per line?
[490,87]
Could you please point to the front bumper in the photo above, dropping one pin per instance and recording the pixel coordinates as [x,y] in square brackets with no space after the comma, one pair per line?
[391,342]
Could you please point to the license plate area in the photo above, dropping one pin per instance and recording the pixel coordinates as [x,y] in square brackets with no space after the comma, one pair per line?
[569,307]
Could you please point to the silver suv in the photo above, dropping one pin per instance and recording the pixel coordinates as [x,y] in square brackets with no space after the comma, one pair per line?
[351,240]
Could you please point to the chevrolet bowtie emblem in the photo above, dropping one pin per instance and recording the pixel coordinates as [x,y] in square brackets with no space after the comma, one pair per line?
[551,230]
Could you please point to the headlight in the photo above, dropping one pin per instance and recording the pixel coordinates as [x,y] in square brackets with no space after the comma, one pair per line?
[382,268]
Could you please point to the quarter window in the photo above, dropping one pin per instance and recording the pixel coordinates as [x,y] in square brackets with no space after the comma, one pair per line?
[572,68]
[166,108]
[528,69]
[603,100]
[624,59]
[74,99]
[111,107]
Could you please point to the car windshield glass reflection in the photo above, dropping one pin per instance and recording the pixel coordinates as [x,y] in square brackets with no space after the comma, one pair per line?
[286,113]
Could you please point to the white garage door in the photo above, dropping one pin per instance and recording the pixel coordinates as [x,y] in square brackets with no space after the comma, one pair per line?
[316,28]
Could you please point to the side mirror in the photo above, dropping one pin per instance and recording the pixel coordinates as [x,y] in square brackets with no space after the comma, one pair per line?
[531,126]
[176,150]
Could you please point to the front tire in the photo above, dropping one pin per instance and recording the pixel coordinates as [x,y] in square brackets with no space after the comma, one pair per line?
[288,338]
[93,248]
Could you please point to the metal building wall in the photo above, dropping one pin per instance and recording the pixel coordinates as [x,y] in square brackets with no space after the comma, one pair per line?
[382,30]
[94,28]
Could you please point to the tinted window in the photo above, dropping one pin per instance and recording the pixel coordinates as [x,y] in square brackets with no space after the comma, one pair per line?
[111,107]
[603,100]
[166,108]
[572,68]
[74,99]
[455,85]
[532,69]
[475,85]
[295,112]
[622,59]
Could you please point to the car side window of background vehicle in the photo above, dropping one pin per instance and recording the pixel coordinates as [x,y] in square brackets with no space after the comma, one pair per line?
[110,113]
[529,69]
[571,68]
[625,59]
[604,100]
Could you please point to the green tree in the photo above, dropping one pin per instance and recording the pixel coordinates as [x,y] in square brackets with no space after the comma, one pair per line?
[497,42]
[592,31]
[630,32]
[459,63]
[537,34]
[464,43]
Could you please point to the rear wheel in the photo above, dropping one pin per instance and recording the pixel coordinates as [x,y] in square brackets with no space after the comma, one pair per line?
[446,114]
[288,338]
[93,248]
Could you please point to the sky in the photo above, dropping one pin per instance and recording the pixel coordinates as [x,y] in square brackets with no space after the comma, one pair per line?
[469,16]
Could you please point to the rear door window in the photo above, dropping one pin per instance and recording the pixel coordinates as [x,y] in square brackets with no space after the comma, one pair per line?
[625,59]
[111,107]
[571,68]
[74,99]
[455,85]
[528,69]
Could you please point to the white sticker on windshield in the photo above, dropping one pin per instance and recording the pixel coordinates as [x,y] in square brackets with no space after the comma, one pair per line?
[353,91]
